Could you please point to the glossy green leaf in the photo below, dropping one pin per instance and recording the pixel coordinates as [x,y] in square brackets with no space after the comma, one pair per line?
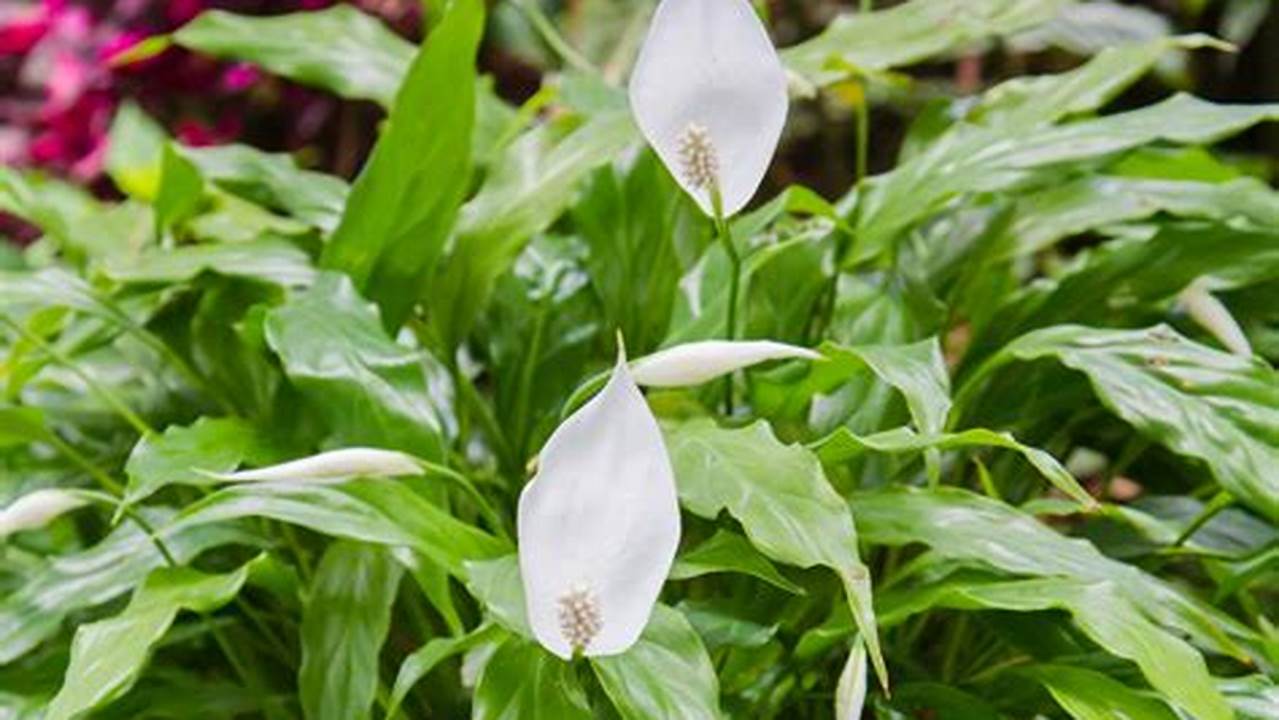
[666,674]
[782,499]
[406,198]
[181,455]
[726,551]
[135,152]
[1090,695]
[273,180]
[843,445]
[84,579]
[957,524]
[385,512]
[1210,405]
[369,389]
[1103,613]
[274,261]
[345,621]
[423,660]
[340,49]
[909,33]
[108,655]
[180,191]
[521,196]
[521,680]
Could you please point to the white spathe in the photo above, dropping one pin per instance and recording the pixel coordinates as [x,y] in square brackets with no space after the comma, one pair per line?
[330,466]
[36,509]
[709,77]
[598,525]
[699,362]
[1212,315]
[850,693]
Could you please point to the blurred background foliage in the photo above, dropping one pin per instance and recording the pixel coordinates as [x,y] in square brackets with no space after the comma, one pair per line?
[64,74]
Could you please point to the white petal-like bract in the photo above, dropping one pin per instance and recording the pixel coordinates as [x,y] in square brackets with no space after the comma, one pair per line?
[699,362]
[709,93]
[36,509]
[331,466]
[850,693]
[1204,308]
[598,525]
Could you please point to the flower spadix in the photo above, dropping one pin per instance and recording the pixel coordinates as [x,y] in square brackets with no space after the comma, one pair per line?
[699,362]
[709,94]
[37,509]
[598,525]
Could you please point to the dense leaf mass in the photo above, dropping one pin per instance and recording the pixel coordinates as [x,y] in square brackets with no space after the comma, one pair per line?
[1005,443]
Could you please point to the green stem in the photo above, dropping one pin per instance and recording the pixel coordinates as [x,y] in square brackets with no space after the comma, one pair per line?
[105,394]
[98,474]
[1219,502]
[552,37]
[725,234]
[487,510]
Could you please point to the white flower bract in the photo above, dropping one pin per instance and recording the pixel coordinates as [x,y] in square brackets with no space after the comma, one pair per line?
[598,525]
[709,94]
[330,466]
[37,509]
[1212,315]
[699,362]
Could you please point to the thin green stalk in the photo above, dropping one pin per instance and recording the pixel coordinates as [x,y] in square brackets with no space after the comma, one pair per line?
[725,235]
[107,396]
[99,475]
[486,509]
[544,27]
[527,370]
[1219,502]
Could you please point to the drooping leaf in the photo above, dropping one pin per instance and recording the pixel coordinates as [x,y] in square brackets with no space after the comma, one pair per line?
[406,198]
[956,524]
[344,623]
[385,512]
[269,260]
[1210,405]
[179,454]
[1103,614]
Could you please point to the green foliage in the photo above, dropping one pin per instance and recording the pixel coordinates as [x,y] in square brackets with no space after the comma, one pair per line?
[1022,481]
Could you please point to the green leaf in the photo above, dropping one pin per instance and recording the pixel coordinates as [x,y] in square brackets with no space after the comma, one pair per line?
[1210,405]
[406,198]
[1103,613]
[667,674]
[1090,695]
[523,194]
[987,159]
[339,49]
[843,445]
[726,551]
[180,454]
[344,623]
[908,33]
[181,188]
[496,584]
[84,579]
[135,152]
[273,180]
[420,663]
[107,656]
[1043,218]
[369,389]
[782,499]
[382,512]
[270,260]
[21,425]
[957,525]
[524,681]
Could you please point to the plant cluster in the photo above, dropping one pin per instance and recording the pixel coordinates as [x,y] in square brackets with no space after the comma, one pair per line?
[542,417]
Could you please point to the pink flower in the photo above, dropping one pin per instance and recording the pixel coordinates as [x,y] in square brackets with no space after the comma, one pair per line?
[239,77]
[19,35]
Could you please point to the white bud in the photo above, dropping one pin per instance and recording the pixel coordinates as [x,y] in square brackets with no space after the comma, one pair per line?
[37,509]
